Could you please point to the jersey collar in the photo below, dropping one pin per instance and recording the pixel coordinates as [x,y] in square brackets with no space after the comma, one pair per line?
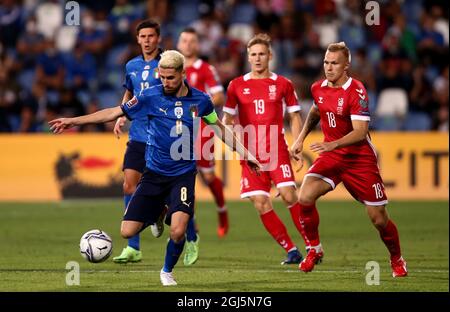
[344,86]
[197,64]
[156,58]
[273,76]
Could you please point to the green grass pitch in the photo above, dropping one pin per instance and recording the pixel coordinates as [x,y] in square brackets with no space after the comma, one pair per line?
[37,240]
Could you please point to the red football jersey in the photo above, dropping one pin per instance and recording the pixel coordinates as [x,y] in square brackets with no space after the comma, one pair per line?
[338,107]
[204,77]
[261,103]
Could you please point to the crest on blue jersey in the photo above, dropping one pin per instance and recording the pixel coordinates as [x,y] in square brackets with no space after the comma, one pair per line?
[194,110]
[156,73]
[144,75]
[178,112]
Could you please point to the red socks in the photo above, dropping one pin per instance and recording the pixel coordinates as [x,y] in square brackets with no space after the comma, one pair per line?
[309,218]
[389,235]
[277,229]
[295,215]
[216,187]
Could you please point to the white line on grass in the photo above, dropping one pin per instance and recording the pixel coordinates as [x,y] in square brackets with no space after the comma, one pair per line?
[210,270]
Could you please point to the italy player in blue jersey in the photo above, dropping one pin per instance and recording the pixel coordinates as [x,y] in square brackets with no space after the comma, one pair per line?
[141,73]
[169,176]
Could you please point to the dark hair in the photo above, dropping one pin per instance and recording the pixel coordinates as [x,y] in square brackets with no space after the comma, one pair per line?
[149,23]
[190,30]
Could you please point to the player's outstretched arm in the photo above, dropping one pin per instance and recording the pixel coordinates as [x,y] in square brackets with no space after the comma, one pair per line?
[359,133]
[109,114]
[121,120]
[230,139]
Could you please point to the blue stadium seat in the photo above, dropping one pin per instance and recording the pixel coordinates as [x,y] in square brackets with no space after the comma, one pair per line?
[243,13]
[186,12]
[107,98]
[112,58]
[26,78]
[417,121]
[392,106]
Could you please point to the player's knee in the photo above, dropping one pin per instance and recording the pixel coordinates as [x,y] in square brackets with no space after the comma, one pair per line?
[128,188]
[177,234]
[378,216]
[208,177]
[127,232]
[289,198]
[262,205]
[306,199]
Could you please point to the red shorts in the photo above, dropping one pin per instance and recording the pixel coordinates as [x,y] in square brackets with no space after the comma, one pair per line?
[204,148]
[282,175]
[361,177]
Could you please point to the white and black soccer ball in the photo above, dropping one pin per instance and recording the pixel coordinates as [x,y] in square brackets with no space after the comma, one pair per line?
[96,246]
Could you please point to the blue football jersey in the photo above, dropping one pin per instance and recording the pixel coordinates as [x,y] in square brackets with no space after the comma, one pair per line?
[140,75]
[171,123]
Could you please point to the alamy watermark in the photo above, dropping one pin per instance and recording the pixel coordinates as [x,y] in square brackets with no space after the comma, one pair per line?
[73,276]
[373,276]
[373,16]
[72,13]
[260,140]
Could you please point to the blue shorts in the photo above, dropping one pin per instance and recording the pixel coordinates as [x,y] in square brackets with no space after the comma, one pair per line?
[135,156]
[154,191]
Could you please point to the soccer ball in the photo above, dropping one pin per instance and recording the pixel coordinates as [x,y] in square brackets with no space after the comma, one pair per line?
[95,246]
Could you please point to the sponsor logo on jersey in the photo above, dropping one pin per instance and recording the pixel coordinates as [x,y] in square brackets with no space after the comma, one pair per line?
[246,91]
[320,100]
[163,110]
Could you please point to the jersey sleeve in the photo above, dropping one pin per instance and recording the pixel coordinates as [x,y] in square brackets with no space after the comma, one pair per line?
[128,84]
[136,107]
[212,80]
[206,107]
[291,99]
[359,104]
[313,89]
[232,101]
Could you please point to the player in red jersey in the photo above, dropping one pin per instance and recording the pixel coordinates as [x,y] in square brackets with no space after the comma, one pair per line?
[259,100]
[346,155]
[203,76]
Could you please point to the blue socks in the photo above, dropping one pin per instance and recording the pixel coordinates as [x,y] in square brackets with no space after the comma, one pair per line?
[133,242]
[191,234]
[173,252]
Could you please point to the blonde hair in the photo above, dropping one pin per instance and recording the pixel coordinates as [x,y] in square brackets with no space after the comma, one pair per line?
[259,39]
[172,59]
[340,46]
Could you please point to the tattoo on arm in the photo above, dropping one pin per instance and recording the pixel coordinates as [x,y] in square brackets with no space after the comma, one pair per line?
[311,121]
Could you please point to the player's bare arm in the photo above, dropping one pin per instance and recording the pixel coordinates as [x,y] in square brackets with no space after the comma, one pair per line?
[109,114]
[121,120]
[227,119]
[311,122]
[218,99]
[359,133]
[230,139]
